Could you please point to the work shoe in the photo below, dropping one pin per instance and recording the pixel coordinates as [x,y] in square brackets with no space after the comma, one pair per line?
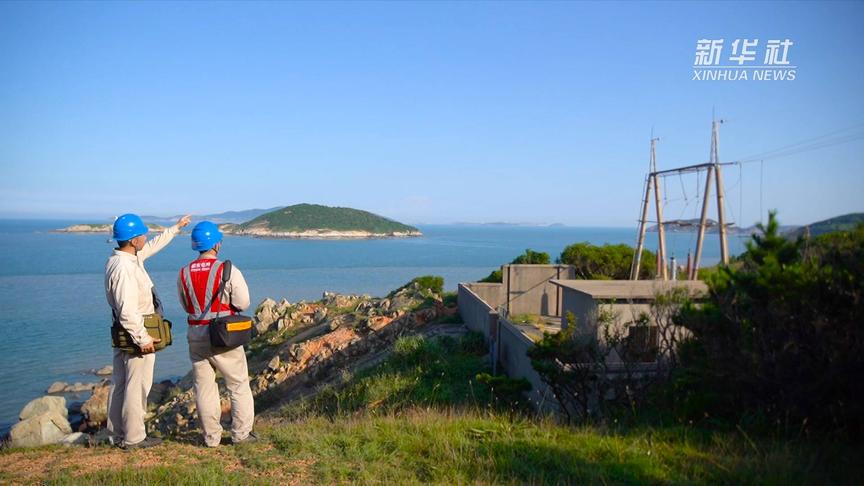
[250,439]
[148,442]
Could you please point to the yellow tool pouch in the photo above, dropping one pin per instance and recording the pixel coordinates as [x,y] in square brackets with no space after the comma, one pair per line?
[158,328]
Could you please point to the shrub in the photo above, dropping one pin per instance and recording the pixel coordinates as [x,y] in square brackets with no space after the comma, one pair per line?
[431,283]
[605,262]
[529,257]
[473,343]
[494,277]
[782,336]
[507,392]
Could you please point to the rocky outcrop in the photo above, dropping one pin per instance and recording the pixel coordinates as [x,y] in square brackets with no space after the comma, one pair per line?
[106,370]
[43,421]
[95,409]
[315,341]
[43,405]
[63,387]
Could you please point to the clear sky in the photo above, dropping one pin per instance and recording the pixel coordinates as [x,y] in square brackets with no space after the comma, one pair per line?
[424,112]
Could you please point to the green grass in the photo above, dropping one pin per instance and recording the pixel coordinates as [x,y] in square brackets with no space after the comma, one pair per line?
[465,447]
[420,417]
[419,373]
[441,447]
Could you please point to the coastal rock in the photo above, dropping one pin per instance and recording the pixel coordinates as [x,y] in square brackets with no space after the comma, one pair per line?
[106,370]
[79,387]
[43,405]
[76,439]
[159,392]
[283,307]
[320,314]
[48,428]
[95,409]
[265,316]
[291,365]
[57,387]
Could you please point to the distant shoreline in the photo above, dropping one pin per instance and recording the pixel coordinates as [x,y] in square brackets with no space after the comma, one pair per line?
[289,235]
[323,234]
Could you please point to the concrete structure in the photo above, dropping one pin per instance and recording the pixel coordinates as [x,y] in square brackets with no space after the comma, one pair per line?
[478,307]
[626,302]
[527,288]
[548,293]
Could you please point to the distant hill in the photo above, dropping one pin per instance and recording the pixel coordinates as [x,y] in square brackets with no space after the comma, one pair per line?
[837,223]
[692,225]
[102,228]
[226,217]
[711,226]
[317,221]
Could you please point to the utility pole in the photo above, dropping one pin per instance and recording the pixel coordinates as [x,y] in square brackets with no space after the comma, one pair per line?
[721,207]
[700,238]
[643,220]
[653,179]
[640,240]
[661,231]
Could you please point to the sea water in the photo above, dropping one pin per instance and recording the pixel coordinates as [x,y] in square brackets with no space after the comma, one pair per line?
[55,321]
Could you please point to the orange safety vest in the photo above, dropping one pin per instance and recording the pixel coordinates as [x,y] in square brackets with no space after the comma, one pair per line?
[200,279]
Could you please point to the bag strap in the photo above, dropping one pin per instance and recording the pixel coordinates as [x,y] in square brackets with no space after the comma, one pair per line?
[226,274]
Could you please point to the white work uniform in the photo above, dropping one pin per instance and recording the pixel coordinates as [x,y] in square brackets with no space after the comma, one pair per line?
[206,360]
[129,289]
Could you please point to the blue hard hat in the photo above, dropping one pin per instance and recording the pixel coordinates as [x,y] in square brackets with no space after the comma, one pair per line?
[205,235]
[129,226]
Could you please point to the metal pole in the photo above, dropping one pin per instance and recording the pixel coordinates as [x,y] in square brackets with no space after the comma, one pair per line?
[701,235]
[721,213]
[661,231]
[640,241]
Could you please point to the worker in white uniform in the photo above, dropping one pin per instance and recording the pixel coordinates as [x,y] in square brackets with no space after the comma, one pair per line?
[130,294]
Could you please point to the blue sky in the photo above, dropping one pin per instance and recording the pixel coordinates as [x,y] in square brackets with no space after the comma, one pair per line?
[425,112]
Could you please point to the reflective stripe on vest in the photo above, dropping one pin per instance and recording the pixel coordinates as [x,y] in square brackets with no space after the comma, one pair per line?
[198,291]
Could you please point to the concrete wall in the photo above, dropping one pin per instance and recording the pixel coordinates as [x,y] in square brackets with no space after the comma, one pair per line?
[491,293]
[583,308]
[513,360]
[477,314]
[528,291]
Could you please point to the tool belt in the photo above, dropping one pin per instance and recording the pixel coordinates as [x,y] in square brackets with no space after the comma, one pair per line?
[229,331]
[156,326]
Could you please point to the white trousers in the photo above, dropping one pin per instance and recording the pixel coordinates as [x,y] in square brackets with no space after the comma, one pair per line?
[127,403]
[232,365]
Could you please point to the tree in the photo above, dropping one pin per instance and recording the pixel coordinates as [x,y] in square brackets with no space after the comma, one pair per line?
[529,257]
[605,262]
[782,336]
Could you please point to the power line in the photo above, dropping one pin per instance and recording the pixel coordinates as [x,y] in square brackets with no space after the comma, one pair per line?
[802,142]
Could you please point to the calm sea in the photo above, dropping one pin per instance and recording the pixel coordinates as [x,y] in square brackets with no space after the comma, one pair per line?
[55,321]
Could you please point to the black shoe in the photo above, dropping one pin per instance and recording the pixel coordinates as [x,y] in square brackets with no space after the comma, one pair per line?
[250,439]
[148,442]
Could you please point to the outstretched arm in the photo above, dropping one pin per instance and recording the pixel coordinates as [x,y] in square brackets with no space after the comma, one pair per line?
[161,241]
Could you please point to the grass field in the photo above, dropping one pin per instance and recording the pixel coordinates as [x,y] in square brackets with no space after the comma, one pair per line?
[415,419]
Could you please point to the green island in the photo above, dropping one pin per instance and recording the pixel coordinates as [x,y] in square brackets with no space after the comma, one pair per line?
[317,221]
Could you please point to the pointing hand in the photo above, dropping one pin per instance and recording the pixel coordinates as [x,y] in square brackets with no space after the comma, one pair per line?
[184,221]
